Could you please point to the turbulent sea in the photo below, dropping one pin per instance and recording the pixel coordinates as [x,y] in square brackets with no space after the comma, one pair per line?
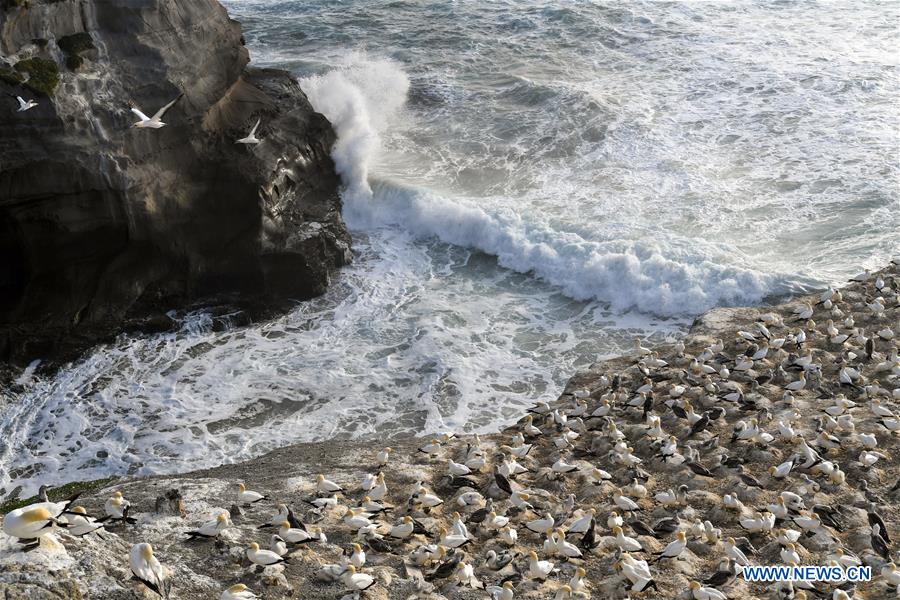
[530,185]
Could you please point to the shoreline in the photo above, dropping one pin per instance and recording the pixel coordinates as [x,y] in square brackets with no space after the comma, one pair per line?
[287,474]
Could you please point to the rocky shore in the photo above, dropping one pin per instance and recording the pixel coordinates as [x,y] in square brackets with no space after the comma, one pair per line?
[105,227]
[785,412]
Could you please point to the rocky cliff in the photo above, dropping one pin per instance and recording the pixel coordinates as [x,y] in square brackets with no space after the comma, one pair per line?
[104,226]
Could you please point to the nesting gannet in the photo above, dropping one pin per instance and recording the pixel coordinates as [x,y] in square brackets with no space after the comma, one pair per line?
[465,576]
[624,542]
[319,503]
[245,496]
[293,535]
[700,592]
[29,523]
[211,529]
[357,582]
[789,555]
[402,530]
[154,122]
[117,508]
[732,552]
[251,137]
[284,514]
[238,591]
[508,536]
[624,503]
[538,569]
[504,592]
[427,499]
[637,572]
[891,574]
[675,547]
[147,569]
[263,558]
[326,486]
[81,524]
[278,545]
[542,525]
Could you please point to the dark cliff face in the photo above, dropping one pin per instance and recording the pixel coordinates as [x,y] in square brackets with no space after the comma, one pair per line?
[103,226]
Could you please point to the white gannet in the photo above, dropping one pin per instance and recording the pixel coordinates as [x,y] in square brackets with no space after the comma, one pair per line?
[154,122]
[294,535]
[263,558]
[508,536]
[238,591]
[675,547]
[538,569]
[147,569]
[379,490]
[732,552]
[402,530]
[624,542]
[384,456]
[700,592]
[542,525]
[117,507]
[212,528]
[789,555]
[251,137]
[465,575]
[245,496]
[326,486]
[29,523]
[81,524]
[357,582]
[504,592]
[427,499]
[358,556]
[25,105]
[456,469]
[278,545]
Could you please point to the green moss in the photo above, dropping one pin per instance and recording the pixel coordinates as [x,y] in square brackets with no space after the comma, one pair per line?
[43,74]
[57,494]
[11,77]
[73,61]
[76,43]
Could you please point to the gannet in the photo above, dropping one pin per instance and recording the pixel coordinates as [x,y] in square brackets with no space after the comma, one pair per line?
[25,105]
[238,591]
[891,574]
[508,536]
[402,530]
[504,592]
[538,569]
[81,524]
[278,545]
[675,547]
[787,536]
[147,569]
[379,490]
[29,523]
[789,555]
[245,496]
[357,582]
[263,558]
[427,499]
[251,137]
[495,521]
[357,518]
[117,507]
[293,535]
[637,572]
[542,525]
[284,514]
[326,486]
[154,122]
[762,522]
[782,470]
[732,552]
[452,539]
[212,528]
[624,503]
[465,575]
[320,503]
[624,542]
[699,592]
[383,456]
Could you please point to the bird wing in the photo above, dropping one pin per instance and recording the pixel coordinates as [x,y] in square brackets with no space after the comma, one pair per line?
[159,114]
[139,114]
[253,131]
[22,103]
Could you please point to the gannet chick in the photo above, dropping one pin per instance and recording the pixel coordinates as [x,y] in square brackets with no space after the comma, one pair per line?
[29,523]
[263,558]
[357,582]
[238,591]
[211,529]
[147,569]
[699,592]
[326,486]
[245,496]
[154,122]
[504,592]
[251,138]
[25,105]
[538,569]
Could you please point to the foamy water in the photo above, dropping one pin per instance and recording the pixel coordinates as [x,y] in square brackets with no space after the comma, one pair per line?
[529,187]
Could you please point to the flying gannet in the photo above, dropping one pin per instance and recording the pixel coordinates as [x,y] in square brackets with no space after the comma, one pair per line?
[251,138]
[154,122]
[25,105]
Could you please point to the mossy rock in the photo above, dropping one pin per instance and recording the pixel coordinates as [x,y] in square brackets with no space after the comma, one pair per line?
[56,494]
[11,77]
[76,43]
[43,74]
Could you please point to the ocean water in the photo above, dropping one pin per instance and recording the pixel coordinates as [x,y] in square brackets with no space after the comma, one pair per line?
[530,185]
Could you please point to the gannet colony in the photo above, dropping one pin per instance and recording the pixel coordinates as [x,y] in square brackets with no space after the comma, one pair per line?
[768,436]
